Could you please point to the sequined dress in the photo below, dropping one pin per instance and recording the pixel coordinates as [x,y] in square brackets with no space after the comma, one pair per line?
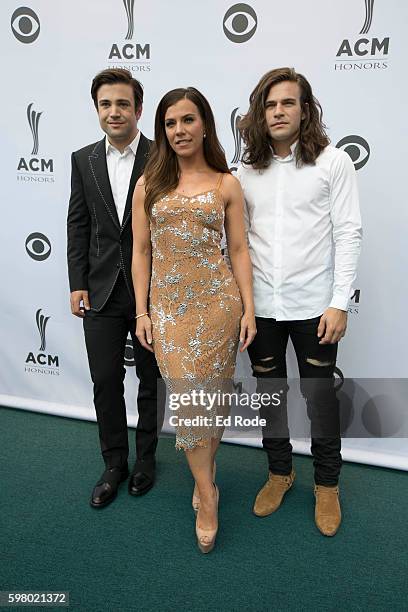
[195,303]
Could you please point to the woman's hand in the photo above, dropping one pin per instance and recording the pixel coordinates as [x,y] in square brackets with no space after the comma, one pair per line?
[144,332]
[248,331]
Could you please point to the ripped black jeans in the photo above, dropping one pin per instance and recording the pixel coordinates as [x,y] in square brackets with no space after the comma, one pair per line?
[316,363]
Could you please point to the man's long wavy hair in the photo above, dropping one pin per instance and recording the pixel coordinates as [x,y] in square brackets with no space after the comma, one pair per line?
[162,170]
[312,137]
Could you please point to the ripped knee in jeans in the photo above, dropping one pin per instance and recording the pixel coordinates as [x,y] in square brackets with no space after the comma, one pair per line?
[319,363]
[263,366]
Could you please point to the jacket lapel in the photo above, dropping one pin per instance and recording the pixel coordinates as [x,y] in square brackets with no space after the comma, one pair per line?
[138,167]
[99,171]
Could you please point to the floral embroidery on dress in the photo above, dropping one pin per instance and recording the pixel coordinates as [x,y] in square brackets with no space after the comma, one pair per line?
[195,303]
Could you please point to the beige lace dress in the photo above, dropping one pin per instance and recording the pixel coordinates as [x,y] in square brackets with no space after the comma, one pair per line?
[195,306]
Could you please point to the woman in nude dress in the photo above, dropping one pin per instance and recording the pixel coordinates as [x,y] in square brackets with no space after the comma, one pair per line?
[197,311]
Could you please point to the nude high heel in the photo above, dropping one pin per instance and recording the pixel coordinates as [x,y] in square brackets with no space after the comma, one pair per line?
[206,537]
[195,502]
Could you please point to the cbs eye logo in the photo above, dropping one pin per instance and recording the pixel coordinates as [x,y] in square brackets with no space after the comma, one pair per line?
[25,25]
[240,23]
[38,246]
[357,148]
[129,361]
[338,378]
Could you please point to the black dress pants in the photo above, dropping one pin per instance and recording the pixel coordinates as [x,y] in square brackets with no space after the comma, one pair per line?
[105,337]
[316,363]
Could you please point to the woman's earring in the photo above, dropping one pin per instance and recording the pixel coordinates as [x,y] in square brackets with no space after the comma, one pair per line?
[204,135]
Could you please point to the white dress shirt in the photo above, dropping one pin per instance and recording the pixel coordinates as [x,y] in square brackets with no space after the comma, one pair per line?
[120,166]
[304,234]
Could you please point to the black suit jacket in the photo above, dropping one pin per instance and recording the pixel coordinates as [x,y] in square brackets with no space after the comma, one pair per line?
[98,245]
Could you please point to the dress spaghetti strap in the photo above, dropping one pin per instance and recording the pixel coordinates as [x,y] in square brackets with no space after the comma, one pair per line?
[218,185]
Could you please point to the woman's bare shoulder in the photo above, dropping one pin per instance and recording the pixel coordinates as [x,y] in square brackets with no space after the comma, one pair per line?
[229,180]
[230,185]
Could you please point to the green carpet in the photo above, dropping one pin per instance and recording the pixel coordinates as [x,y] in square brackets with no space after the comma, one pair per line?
[140,553]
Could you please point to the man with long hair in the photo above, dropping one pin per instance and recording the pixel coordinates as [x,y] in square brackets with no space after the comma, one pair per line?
[103,179]
[304,234]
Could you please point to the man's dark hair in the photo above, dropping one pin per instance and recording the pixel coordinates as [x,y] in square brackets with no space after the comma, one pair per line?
[312,137]
[117,75]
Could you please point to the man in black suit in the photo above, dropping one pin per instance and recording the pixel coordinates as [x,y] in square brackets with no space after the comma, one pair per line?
[103,178]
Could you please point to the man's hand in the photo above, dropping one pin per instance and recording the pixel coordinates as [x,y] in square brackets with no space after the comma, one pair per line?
[332,326]
[77,308]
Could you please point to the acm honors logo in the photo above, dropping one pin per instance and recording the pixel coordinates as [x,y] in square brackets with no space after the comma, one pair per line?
[354,302]
[236,134]
[363,52]
[41,361]
[34,168]
[134,56]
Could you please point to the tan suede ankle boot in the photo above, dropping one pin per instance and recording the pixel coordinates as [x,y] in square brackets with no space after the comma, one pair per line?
[271,495]
[327,509]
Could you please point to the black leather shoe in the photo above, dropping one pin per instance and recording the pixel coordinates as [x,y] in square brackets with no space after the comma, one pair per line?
[107,486]
[140,482]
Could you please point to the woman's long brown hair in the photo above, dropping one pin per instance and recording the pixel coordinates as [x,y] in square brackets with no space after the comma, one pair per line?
[312,137]
[162,169]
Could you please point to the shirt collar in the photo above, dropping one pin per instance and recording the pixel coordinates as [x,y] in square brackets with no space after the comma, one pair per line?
[131,147]
[289,157]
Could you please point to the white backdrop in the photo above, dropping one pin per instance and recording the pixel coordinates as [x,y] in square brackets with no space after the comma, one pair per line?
[353,52]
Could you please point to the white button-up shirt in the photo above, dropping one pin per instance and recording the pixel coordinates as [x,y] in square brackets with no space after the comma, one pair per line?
[304,234]
[120,166]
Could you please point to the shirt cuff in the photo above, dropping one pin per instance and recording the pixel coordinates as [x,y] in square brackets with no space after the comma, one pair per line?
[340,302]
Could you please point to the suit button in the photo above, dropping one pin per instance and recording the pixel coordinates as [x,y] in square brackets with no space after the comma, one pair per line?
[118,265]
